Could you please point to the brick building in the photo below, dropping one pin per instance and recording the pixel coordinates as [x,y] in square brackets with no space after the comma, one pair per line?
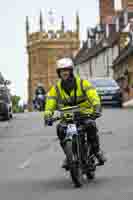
[107,9]
[44,48]
[127,4]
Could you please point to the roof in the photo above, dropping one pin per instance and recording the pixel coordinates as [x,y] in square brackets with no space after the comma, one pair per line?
[87,53]
[124,54]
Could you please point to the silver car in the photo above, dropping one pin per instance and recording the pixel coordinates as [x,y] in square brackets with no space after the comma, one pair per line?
[108,90]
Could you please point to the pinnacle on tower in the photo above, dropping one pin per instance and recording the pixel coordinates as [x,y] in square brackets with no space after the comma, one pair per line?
[41,22]
[27,27]
[77,22]
[62,24]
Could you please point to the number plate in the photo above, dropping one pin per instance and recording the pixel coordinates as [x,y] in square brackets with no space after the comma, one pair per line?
[71,129]
[106,97]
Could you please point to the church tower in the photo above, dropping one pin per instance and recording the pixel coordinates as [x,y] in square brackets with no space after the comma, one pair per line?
[44,48]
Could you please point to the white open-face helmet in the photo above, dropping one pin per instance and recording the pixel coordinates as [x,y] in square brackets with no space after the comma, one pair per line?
[39,84]
[64,63]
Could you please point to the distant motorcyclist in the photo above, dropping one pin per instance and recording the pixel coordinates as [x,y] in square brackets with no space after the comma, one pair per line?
[40,89]
[70,90]
[39,98]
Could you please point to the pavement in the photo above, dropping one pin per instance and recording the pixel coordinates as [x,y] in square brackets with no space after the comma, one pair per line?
[128,104]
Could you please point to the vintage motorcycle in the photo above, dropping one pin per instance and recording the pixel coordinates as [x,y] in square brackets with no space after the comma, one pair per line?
[39,102]
[81,160]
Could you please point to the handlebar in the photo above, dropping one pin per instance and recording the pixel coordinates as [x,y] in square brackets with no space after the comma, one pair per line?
[70,111]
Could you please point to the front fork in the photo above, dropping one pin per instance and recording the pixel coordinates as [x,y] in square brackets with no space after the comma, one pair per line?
[72,150]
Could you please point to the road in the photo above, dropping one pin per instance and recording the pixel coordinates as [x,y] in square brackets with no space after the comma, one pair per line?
[30,159]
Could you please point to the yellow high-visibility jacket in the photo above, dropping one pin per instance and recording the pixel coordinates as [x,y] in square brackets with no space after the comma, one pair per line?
[86,96]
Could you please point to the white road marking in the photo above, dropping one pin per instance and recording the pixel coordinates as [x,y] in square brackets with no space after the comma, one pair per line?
[38,149]
[25,164]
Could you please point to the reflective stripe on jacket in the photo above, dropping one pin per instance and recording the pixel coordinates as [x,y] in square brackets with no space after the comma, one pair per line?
[86,96]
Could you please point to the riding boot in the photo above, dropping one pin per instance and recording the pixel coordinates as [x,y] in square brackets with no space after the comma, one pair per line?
[97,151]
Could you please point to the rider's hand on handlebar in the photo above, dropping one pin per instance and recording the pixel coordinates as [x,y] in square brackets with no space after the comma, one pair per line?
[47,118]
[97,111]
[97,114]
[47,114]
[48,122]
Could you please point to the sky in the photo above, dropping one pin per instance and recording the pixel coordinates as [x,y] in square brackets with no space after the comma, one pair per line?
[14,57]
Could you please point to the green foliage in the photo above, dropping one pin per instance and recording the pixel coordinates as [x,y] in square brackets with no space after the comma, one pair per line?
[15,104]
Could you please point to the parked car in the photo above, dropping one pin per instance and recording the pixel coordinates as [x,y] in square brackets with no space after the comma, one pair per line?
[5,101]
[108,90]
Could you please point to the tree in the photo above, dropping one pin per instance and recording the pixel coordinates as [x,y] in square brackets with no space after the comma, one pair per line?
[15,104]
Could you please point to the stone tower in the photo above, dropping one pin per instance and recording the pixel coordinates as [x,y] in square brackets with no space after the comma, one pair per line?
[44,48]
[106,9]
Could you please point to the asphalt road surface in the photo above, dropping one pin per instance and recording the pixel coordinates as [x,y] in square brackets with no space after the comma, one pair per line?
[30,160]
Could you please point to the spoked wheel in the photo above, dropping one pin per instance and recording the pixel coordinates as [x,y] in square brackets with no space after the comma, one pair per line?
[76,175]
[74,167]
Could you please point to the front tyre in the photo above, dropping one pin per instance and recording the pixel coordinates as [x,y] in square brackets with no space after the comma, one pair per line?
[74,167]
[76,175]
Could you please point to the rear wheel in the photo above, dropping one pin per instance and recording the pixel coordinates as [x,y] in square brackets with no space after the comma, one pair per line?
[90,175]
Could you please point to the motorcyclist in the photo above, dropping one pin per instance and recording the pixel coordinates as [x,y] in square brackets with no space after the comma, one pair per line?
[39,91]
[71,90]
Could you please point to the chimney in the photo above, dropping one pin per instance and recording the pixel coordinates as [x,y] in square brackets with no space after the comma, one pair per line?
[125,15]
[117,24]
[106,8]
[99,32]
[88,38]
[107,31]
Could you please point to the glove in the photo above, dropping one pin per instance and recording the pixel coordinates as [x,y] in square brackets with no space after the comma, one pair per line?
[47,118]
[97,111]
[48,122]
[47,114]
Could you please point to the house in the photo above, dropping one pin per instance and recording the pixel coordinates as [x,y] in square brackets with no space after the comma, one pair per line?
[123,66]
[96,56]
[103,45]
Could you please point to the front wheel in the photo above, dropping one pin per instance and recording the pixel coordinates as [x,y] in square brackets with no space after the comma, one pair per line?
[76,175]
[74,166]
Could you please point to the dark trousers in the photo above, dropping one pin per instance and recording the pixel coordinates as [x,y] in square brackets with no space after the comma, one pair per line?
[92,135]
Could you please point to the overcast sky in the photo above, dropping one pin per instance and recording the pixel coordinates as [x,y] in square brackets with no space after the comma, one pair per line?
[13,55]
